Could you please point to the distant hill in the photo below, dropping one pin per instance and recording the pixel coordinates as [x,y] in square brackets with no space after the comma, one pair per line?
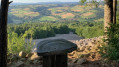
[54,12]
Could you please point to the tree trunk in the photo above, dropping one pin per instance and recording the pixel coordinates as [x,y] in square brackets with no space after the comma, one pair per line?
[108,13]
[114,11]
[3,32]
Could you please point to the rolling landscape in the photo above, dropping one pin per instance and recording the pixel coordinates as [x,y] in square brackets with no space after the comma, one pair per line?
[55,12]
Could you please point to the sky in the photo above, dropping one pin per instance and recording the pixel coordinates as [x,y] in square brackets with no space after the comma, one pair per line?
[35,1]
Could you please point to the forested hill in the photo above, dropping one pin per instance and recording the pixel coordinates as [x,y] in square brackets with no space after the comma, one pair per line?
[54,12]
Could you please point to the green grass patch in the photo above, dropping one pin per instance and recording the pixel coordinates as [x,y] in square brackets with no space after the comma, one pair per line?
[48,18]
[24,13]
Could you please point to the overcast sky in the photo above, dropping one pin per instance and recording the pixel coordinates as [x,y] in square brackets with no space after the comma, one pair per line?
[34,1]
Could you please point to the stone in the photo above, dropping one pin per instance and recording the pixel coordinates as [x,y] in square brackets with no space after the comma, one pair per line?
[19,63]
[74,60]
[34,50]
[79,66]
[22,54]
[90,44]
[35,57]
[84,55]
[82,48]
[81,61]
[35,61]
[40,65]
[70,64]
[23,59]
[29,55]
[71,54]
[87,48]
[29,62]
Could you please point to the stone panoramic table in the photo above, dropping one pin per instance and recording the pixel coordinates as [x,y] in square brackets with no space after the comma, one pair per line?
[54,52]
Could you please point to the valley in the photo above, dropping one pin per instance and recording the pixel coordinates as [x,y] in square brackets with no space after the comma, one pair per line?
[54,12]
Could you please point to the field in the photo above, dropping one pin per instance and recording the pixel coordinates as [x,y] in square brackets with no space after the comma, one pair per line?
[24,13]
[48,18]
[54,12]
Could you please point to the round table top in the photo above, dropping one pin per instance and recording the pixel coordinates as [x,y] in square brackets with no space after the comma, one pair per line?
[55,47]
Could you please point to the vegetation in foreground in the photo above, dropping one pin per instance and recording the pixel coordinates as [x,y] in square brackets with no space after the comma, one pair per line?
[110,49]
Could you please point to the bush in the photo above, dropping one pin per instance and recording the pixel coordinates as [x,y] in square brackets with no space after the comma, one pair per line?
[63,29]
[89,32]
[50,32]
[110,50]
[17,43]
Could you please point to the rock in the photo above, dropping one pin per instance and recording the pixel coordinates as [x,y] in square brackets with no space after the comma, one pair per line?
[81,61]
[87,48]
[74,60]
[90,44]
[35,61]
[34,50]
[70,64]
[78,50]
[79,66]
[73,55]
[40,65]
[22,54]
[84,55]
[23,59]
[85,43]
[29,55]
[82,48]
[29,62]
[34,57]
[19,63]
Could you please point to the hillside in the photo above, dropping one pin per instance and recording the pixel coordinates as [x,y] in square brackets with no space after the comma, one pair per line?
[53,12]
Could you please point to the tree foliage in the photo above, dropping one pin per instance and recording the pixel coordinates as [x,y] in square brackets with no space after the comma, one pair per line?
[43,30]
[110,50]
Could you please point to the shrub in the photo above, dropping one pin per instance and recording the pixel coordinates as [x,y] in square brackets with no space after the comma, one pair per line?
[110,50]
[17,43]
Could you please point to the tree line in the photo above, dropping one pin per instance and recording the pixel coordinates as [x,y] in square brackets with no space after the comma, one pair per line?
[43,30]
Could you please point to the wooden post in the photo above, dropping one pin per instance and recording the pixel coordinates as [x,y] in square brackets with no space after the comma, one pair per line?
[61,60]
[46,61]
[55,61]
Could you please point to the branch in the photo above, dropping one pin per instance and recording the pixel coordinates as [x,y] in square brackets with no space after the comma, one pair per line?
[10,2]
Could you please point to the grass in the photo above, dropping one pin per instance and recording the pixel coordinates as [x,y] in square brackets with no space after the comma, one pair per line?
[88,15]
[48,18]
[68,15]
[99,20]
[24,13]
